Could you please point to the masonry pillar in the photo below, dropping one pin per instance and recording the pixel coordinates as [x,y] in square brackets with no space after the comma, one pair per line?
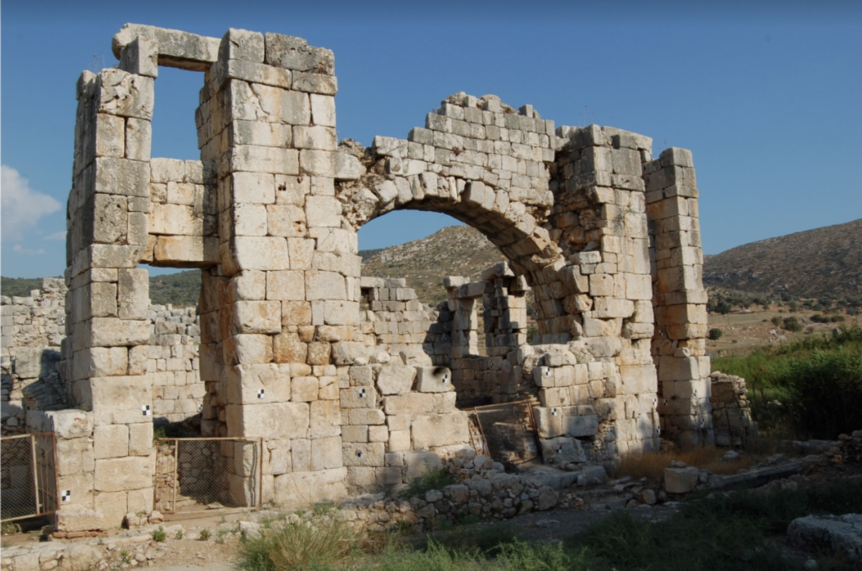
[105,351]
[679,344]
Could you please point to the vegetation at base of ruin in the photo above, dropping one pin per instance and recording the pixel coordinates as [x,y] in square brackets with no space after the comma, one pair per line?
[323,543]
[808,388]
[159,534]
[10,528]
[651,465]
[722,531]
[431,479]
[205,534]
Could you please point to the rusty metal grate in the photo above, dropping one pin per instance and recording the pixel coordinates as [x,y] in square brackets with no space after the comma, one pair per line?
[29,477]
[505,432]
[196,475]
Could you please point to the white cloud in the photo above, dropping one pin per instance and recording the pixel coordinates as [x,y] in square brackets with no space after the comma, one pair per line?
[21,250]
[56,236]
[21,206]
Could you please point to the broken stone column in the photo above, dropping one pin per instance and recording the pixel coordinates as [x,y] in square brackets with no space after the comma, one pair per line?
[679,344]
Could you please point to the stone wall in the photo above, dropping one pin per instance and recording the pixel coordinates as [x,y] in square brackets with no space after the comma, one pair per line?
[32,330]
[270,214]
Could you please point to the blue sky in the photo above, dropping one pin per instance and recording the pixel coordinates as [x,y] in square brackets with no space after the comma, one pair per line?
[768,96]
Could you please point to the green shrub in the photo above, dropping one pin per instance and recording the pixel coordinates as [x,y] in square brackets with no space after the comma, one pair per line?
[205,534]
[715,333]
[826,393]
[791,324]
[776,321]
[159,534]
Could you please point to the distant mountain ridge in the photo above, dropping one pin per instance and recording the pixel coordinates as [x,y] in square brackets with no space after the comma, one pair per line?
[824,262]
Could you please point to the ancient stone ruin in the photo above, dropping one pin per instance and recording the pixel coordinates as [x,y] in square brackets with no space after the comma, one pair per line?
[351,383]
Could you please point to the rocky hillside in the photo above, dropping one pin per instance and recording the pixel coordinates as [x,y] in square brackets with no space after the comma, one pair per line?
[816,263]
[453,251]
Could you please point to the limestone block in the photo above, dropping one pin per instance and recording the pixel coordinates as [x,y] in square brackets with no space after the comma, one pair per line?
[288,348]
[828,534]
[576,421]
[111,441]
[258,384]
[316,137]
[638,286]
[253,187]
[113,332]
[319,352]
[294,53]
[110,219]
[638,379]
[101,362]
[304,389]
[133,293]
[121,400]
[113,506]
[325,419]
[432,431]
[322,211]
[315,83]
[323,110]
[347,352]
[678,368]
[317,163]
[186,249]
[326,453]
[399,441]
[325,286]
[76,517]
[259,253]
[67,424]
[293,491]
[124,474]
[174,219]
[248,349]
[141,439]
[363,454]
[176,48]
[140,57]
[273,421]
[257,317]
[359,397]
[259,159]
[562,450]
[420,462]
[110,136]
[366,416]
[285,220]
[241,45]
[124,94]
[434,380]
[680,480]
[395,379]
[246,219]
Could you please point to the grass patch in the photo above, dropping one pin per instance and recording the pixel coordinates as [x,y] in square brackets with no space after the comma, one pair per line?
[324,543]
[809,388]
[721,532]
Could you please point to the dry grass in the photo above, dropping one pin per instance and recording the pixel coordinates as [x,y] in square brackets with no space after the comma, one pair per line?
[652,464]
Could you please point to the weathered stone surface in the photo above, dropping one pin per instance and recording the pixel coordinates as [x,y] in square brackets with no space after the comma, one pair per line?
[395,379]
[839,535]
[680,480]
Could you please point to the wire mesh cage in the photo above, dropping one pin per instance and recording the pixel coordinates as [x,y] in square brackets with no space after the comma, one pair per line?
[205,474]
[505,432]
[28,476]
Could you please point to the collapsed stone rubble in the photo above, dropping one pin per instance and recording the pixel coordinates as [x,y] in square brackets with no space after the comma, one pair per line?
[347,380]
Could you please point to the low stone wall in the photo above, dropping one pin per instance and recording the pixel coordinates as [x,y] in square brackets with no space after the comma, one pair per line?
[174,363]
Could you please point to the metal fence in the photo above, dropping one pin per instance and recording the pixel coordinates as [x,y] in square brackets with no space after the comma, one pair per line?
[505,432]
[29,477]
[205,474]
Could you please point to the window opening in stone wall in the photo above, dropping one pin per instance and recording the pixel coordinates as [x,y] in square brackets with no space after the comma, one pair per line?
[176,101]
